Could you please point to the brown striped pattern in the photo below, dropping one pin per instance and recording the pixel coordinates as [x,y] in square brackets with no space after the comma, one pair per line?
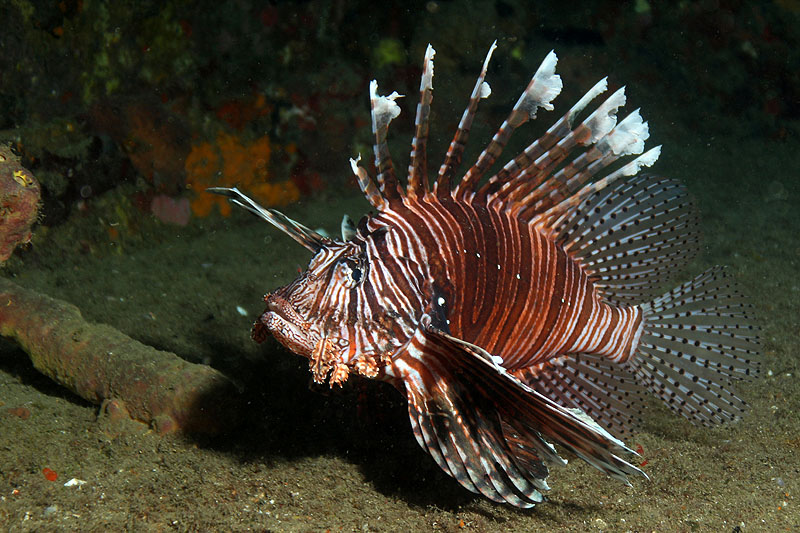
[519,282]
[522,308]
[486,429]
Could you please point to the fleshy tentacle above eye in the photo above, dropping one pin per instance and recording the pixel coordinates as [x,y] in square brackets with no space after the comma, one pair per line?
[307,237]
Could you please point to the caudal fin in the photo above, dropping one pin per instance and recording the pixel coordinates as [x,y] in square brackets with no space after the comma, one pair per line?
[697,340]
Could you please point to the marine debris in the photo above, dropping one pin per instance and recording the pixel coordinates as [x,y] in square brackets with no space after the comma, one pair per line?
[105,366]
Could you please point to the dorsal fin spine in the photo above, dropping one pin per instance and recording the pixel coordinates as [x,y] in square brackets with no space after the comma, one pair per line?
[371,192]
[497,186]
[606,141]
[626,138]
[543,88]
[417,167]
[383,110]
[599,88]
[553,216]
[531,168]
[456,149]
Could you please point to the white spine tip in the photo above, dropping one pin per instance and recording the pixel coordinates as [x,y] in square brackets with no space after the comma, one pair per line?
[604,118]
[427,74]
[384,108]
[545,86]
[629,135]
[647,159]
[599,88]
[489,56]
[354,164]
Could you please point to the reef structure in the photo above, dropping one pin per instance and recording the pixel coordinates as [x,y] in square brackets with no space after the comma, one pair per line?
[19,203]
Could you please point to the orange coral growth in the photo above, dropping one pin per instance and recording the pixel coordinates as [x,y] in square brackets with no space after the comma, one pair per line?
[230,162]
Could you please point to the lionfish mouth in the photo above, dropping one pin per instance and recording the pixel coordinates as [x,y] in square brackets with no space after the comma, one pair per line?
[288,326]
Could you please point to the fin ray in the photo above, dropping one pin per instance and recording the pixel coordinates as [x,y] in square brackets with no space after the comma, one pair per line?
[543,88]
[690,365]
[417,167]
[605,391]
[368,187]
[308,238]
[456,149]
[384,109]
[632,237]
[500,185]
[491,426]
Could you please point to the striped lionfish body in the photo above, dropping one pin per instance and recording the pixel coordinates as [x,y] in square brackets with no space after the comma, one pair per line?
[519,309]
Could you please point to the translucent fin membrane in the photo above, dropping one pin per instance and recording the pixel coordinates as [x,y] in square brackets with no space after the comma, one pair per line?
[697,340]
[605,391]
[632,237]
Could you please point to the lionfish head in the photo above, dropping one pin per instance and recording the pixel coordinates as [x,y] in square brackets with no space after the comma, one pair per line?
[312,315]
[319,314]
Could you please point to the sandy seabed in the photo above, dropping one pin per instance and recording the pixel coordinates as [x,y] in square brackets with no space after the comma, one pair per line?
[308,459]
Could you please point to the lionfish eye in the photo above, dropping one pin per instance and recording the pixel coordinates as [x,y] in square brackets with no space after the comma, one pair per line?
[355,271]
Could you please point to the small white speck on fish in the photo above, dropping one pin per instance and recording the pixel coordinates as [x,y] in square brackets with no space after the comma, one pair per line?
[497,361]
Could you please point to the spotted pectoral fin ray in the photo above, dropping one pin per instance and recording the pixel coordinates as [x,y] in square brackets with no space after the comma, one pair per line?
[486,428]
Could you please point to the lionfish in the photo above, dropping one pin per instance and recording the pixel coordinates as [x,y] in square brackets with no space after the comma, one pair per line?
[522,309]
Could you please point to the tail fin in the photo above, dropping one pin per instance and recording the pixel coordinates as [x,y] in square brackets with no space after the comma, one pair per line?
[698,339]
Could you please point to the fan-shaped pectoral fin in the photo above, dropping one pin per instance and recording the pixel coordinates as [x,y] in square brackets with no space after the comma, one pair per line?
[486,428]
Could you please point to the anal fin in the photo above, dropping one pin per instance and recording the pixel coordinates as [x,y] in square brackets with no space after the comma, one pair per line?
[605,391]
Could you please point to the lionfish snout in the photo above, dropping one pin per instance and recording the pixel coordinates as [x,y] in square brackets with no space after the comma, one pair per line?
[327,351]
[289,327]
